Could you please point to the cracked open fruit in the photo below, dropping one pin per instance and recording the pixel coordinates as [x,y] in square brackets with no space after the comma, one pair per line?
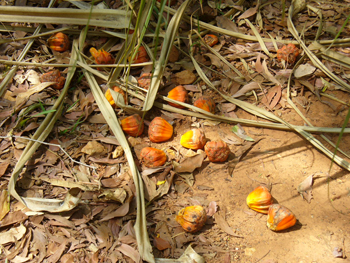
[101,56]
[211,39]
[192,218]
[205,103]
[217,151]
[133,125]
[141,56]
[152,157]
[260,199]
[288,53]
[178,93]
[193,139]
[59,42]
[160,130]
[109,97]
[54,76]
[280,218]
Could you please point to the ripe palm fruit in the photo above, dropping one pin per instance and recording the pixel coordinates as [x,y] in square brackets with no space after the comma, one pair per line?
[260,199]
[193,139]
[152,157]
[109,97]
[178,93]
[141,56]
[59,42]
[280,217]
[54,76]
[211,39]
[160,130]
[217,151]
[133,125]
[288,53]
[192,218]
[205,103]
[101,57]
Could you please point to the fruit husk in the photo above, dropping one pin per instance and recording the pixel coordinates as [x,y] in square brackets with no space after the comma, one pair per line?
[260,199]
[192,218]
[160,130]
[280,218]
[133,125]
[217,151]
[193,139]
[152,157]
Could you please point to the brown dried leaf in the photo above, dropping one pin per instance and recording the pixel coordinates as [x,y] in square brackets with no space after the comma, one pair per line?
[250,12]
[226,23]
[3,167]
[61,221]
[184,77]
[305,188]
[222,224]
[190,163]
[58,253]
[258,66]
[160,243]
[97,118]
[120,212]
[93,148]
[13,218]
[130,252]
[268,75]
[277,97]
[215,60]
[4,204]
[39,243]
[12,235]
[272,97]
[212,208]
[246,88]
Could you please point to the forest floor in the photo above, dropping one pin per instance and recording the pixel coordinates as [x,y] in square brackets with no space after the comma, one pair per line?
[100,227]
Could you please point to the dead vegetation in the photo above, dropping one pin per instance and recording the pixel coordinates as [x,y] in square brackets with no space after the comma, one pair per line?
[72,185]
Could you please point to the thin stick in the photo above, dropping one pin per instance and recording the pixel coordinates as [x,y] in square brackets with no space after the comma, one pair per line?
[50,144]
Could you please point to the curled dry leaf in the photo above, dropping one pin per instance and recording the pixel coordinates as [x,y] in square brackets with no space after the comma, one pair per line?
[305,188]
[246,88]
[93,148]
[272,98]
[212,208]
[250,12]
[12,235]
[304,71]
[190,163]
[184,77]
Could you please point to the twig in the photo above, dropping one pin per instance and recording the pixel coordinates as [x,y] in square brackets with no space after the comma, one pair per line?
[262,257]
[50,144]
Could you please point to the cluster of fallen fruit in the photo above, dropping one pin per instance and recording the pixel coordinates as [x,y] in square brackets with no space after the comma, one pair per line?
[191,218]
